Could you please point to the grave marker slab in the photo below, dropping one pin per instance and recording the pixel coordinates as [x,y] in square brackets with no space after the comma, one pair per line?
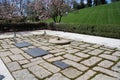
[36,52]
[2,77]
[23,44]
[61,65]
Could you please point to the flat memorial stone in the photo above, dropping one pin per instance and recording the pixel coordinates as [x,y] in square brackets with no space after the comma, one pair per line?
[36,52]
[61,65]
[22,44]
[2,77]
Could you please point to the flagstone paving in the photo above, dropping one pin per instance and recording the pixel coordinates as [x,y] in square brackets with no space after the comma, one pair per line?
[86,61]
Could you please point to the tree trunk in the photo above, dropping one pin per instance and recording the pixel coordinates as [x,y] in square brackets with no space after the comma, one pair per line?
[60,18]
[54,19]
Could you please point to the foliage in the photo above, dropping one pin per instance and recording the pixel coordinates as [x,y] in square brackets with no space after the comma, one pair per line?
[11,8]
[98,2]
[114,0]
[4,27]
[89,3]
[36,10]
[82,4]
[76,5]
[103,1]
[57,9]
[112,31]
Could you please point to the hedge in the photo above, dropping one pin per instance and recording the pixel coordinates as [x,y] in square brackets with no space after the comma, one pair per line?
[22,26]
[112,31]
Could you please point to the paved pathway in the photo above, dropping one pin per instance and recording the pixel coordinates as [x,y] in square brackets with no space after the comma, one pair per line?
[86,61]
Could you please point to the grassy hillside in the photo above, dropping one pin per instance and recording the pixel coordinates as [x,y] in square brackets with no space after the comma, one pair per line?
[103,14]
[103,20]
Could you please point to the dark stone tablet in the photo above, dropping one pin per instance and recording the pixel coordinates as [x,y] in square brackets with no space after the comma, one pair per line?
[36,52]
[61,65]
[23,44]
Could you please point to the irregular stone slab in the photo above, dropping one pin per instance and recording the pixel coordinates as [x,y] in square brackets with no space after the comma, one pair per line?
[16,57]
[45,48]
[116,67]
[103,77]
[6,59]
[86,75]
[23,74]
[91,61]
[107,52]
[59,54]
[16,50]
[33,63]
[76,65]
[107,71]
[57,50]
[13,66]
[61,65]
[117,53]
[55,59]
[72,51]
[50,67]
[86,51]
[83,55]
[26,55]
[39,71]
[23,62]
[106,64]
[71,72]
[72,57]
[96,52]
[23,44]
[37,59]
[109,57]
[6,46]
[4,73]
[96,45]
[48,56]
[36,52]
[57,76]
[4,54]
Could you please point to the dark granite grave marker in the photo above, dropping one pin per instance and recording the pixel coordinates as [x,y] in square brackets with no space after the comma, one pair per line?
[23,44]
[61,65]
[36,52]
[2,77]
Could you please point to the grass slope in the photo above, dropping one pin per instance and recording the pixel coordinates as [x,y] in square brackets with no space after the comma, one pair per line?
[104,15]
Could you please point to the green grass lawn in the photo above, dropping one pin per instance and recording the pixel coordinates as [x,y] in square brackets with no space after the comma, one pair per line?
[104,15]
[103,20]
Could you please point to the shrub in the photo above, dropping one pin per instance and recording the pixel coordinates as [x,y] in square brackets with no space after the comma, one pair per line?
[22,26]
[112,31]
